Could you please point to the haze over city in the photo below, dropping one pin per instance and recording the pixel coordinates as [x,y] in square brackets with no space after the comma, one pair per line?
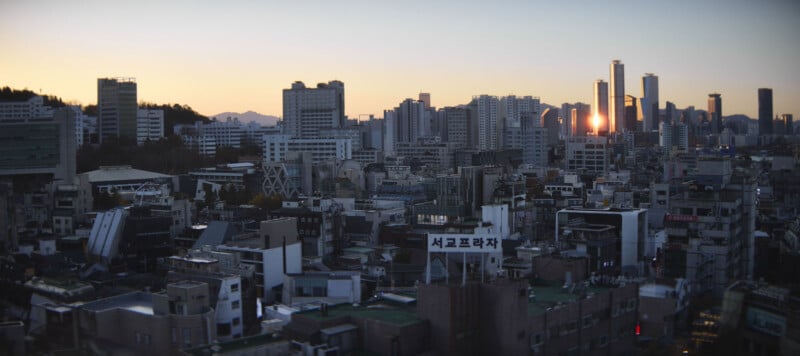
[238,56]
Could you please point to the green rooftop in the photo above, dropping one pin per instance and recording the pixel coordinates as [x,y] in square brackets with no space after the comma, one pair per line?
[548,294]
[387,313]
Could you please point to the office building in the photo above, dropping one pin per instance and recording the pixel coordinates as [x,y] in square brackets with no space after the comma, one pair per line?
[44,145]
[616,101]
[765,112]
[600,105]
[587,154]
[673,136]
[715,112]
[389,133]
[117,108]
[455,126]
[650,103]
[149,125]
[307,110]
[277,146]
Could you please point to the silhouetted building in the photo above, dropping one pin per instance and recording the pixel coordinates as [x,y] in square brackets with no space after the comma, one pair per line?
[715,112]
[117,108]
[631,112]
[788,122]
[765,111]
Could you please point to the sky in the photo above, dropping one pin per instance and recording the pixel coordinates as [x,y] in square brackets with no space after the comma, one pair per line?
[218,56]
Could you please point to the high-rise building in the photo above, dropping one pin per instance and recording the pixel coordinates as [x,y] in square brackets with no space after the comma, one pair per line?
[307,110]
[534,137]
[565,116]
[117,108]
[389,132]
[581,120]
[456,128]
[788,121]
[765,111]
[515,108]
[600,105]
[616,97]
[412,123]
[425,98]
[631,112]
[650,102]
[715,112]
[587,155]
[550,122]
[487,115]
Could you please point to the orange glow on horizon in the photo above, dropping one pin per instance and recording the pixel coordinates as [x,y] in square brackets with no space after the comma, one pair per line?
[596,123]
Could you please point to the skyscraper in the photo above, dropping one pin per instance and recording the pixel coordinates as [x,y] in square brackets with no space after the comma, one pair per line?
[600,104]
[550,122]
[307,110]
[788,121]
[581,117]
[765,111]
[715,112]
[117,108]
[426,99]
[617,97]
[631,112]
[650,102]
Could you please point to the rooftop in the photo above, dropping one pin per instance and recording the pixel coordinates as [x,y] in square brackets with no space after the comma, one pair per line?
[548,295]
[139,302]
[234,345]
[385,312]
[122,173]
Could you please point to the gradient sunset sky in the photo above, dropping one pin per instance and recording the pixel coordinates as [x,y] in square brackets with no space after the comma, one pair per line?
[220,56]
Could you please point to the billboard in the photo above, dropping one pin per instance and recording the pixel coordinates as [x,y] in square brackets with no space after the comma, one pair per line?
[766,322]
[484,243]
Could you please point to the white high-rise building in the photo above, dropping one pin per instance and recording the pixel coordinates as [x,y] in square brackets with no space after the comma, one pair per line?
[600,105]
[649,102]
[487,115]
[412,121]
[515,109]
[307,110]
[149,125]
[616,101]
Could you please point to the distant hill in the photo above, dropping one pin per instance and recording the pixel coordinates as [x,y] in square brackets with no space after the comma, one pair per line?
[176,114]
[267,120]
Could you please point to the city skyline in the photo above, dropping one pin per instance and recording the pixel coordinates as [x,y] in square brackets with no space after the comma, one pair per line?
[239,57]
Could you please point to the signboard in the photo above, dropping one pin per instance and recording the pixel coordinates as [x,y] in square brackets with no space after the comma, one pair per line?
[766,322]
[464,243]
[687,218]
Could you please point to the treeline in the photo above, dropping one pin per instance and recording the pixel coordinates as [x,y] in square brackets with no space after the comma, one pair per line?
[168,156]
[8,94]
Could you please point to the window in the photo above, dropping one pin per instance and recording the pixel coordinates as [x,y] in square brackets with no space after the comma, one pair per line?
[187,337]
[235,304]
[235,287]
